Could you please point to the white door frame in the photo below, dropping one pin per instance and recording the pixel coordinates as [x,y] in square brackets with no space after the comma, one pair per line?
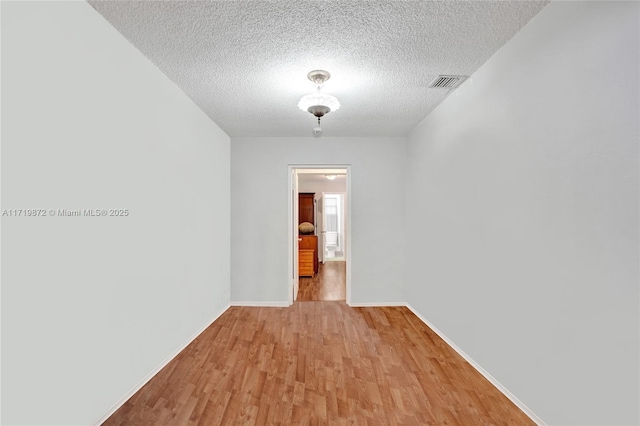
[293,236]
[293,254]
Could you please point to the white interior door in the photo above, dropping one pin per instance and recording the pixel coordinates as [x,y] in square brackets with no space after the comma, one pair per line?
[294,232]
[320,228]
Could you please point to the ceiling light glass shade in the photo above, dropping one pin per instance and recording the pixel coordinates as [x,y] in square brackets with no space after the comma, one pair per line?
[318,99]
[330,177]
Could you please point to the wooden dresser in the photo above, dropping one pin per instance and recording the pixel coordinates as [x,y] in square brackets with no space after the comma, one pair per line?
[305,263]
[308,243]
[306,207]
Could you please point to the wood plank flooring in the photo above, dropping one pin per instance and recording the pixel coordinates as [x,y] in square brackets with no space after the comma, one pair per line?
[329,283]
[318,363]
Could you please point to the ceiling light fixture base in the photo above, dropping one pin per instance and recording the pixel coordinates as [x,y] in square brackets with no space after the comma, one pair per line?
[318,77]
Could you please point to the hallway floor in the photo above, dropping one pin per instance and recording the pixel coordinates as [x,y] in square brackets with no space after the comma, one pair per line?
[318,363]
[328,284]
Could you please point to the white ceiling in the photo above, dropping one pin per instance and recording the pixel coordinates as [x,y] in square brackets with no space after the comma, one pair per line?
[303,171]
[320,178]
[245,62]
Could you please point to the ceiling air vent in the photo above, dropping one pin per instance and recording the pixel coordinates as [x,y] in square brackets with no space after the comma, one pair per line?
[447,81]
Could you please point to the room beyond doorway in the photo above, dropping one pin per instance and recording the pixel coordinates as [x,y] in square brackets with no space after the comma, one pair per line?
[320,232]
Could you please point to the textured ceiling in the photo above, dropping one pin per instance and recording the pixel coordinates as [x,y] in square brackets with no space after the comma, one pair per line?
[245,62]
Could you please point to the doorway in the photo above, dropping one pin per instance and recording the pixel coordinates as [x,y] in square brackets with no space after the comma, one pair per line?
[329,224]
[331,221]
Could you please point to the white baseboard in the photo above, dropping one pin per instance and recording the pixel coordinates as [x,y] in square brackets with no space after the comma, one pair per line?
[271,304]
[157,370]
[375,304]
[480,370]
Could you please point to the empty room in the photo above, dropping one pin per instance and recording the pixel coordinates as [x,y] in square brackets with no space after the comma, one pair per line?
[320,212]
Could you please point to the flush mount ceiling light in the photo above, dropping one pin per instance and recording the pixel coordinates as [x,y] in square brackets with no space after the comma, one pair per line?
[330,177]
[318,104]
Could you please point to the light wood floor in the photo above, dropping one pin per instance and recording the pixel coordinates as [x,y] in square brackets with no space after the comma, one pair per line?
[329,283]
[318,363]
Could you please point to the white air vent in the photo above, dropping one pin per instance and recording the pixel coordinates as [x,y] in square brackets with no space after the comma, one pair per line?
[447,81]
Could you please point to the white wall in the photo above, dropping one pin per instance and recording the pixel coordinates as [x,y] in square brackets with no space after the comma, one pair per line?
[259,214]
[91,305]
[523,205]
